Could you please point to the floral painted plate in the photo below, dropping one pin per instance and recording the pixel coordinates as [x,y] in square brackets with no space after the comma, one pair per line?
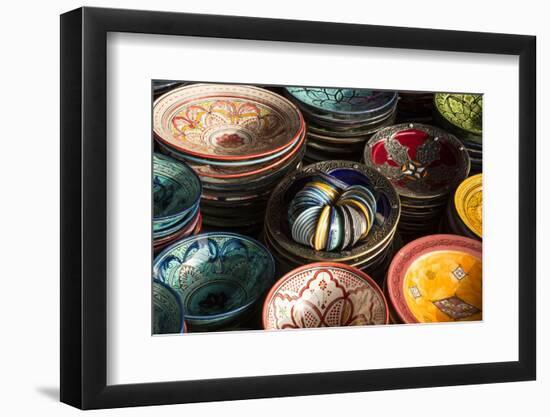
[226,122]
[437,278]
[324,294]
[421,161]
[469,203]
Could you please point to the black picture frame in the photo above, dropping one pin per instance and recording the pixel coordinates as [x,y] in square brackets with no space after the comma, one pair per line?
[84,207]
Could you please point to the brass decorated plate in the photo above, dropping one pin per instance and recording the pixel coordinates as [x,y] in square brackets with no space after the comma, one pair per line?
[464,111]
[469,203]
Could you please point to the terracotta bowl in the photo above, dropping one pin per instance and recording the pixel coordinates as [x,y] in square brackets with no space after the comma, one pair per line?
[324,294]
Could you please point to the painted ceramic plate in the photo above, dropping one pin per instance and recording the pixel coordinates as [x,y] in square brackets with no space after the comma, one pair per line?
[324,295]
[421,161]
[226,122]
[344,100]
[464,111]
[437,278]
[176,191]
[167,311]
[469,203]
[217,275]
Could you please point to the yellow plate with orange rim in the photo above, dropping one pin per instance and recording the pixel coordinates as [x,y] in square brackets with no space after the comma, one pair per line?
[469,203]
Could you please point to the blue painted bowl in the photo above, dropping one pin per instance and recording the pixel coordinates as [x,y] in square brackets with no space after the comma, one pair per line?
[344,100]
[176,192]
[167,310]
[219,277]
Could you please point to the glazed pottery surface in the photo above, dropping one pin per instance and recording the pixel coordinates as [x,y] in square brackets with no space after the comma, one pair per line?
[176,191]
[464,111]
[343,100]
[218,275]
[437,278]
[468,203]
[324,295]
[167,310]
[421,161]
[226,122]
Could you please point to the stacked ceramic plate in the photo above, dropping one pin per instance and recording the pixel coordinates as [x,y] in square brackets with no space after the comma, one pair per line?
[415,107]
[176,197]
[240,140]
[424,164]
[465,210]
[220,278]
[436,278]
[332,211]
[341,120]
[461,115]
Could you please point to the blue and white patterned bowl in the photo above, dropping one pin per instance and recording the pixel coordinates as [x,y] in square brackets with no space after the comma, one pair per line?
[219,277]
[176,192]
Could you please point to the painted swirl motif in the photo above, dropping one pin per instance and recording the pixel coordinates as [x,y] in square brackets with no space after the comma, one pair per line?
[215,273]
[324,295]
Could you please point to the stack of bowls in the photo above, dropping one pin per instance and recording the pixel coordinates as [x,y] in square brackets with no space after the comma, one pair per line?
[176,198]
[436,278]
[415,107]
[324,294]
[219,277]
[462,115]
[425,164]
[290,225]
[341,120]
[231,135]
[464,214]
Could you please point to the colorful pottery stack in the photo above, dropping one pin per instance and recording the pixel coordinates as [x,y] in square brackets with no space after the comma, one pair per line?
[462,115]
[425,164]
[465,210]
[220,278]
[240,140]
[297,224]
[324,295]
[436,278]
[341,120]
[176,198]
[415,107]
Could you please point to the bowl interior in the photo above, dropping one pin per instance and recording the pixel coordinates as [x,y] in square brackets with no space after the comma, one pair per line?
[216,274]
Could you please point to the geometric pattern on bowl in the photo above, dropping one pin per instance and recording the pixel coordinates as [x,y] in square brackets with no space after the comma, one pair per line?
[468,203]
[464,111]
[167,310]
[218,275]
[226,122]
[324,295]
[421,161]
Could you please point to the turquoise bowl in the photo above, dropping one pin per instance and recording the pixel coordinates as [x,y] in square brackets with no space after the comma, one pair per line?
[219,277]
[167,310]
[345,101]
[176,191]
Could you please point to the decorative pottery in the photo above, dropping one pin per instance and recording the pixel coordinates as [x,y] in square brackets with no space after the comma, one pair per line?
[219,276]
[167,310]
[176,191]
[437,278]
[324,295]
[226,122]
[343,100]
[464,111]
[421,161]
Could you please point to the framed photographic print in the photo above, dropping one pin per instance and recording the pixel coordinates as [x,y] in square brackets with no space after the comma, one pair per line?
[258,208]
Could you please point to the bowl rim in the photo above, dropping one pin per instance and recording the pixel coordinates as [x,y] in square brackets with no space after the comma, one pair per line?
[360,274]
[187,167]
[232,312]
[164,97]
[405,256]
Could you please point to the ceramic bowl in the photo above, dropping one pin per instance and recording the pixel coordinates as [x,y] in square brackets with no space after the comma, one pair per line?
[437,278]
[219,276]
[167,310]
[324,295]
[421,161]
[344,100]
[462,111]
[468,203]
[226,122]
[176,192]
